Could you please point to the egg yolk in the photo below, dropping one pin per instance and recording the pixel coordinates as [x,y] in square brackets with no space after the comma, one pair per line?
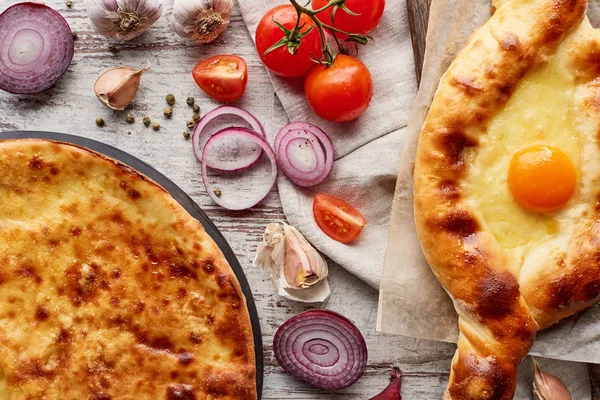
[542,178]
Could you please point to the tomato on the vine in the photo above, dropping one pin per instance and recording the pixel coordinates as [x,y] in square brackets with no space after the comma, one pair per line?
[222,77]
[370,12]
[341,92]
[337,219]
[280,61]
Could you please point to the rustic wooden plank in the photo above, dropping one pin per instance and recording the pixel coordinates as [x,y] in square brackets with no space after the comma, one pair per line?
[594,371]
[418,18]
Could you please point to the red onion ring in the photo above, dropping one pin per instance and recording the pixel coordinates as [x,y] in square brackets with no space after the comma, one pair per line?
[36,48]
[304,153]
[246,157]
[266,148]
[322,348]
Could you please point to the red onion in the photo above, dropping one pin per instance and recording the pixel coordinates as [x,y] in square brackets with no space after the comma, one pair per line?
[224,199]
[304,153]
[247,154]
[322,348]
[392,391]
[36,48]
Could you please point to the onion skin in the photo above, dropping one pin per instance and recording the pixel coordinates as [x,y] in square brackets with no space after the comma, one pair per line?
[392,391]
[52,59]
[323,348]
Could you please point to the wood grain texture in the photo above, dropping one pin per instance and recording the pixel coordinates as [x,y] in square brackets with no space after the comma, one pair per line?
[418,18]
[71,107]
[594,371]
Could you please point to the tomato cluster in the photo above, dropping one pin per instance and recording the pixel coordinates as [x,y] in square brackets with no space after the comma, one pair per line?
[340,90]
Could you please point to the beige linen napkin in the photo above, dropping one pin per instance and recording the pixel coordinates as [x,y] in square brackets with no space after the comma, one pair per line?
[366,150]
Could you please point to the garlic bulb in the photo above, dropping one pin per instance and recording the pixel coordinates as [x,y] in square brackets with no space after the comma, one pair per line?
[548,387]
[117,87]
[123,19]
[299,272]
[201,20]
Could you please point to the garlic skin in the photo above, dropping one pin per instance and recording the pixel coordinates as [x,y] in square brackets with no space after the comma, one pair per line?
[201,20]
[547,386]
[123,19]
[299,272]
[117,87]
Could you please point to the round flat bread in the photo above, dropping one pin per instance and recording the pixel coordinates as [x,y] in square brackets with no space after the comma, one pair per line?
[110,289]
[527,79]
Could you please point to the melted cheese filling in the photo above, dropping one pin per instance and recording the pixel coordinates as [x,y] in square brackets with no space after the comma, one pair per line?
[541,111]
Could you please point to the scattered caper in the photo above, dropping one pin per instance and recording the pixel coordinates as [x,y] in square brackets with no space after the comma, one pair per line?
[99,122]
[112,48]
[190,124]
[130,118]
[74,34]
[156,126]
[69,3]
[186,134]
[196,108]
[147,121]
[196,118]
[168,112]
[129,133]
[190,101]
[217,192]
[170,99]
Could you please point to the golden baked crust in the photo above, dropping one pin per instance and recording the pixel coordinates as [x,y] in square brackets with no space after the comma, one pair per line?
[110,289]
[504,292]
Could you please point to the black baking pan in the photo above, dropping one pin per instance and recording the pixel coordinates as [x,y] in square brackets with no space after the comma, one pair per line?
[186,202]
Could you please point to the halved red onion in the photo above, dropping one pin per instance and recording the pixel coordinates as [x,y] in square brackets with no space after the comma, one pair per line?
[323,348]
[218,195]
[304,153]
[247,156]
[36,48]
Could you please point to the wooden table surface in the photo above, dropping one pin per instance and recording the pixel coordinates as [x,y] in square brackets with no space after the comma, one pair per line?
[71,107]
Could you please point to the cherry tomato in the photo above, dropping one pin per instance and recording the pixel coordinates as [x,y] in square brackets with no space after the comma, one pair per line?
[370,14]
[222,77]
[280,61]
[341,92]
[337,219]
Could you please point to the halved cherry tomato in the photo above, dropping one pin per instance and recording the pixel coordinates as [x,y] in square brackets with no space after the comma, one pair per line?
[370,12]
[222,77]
[280,61]
[341,92]
[337,219]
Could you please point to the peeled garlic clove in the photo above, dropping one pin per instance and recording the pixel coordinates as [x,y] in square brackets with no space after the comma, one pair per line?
[547,386]
[201,20]
[117,87]
[123,19]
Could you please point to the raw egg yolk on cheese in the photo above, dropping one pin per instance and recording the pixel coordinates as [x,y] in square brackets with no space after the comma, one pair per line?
[542,178]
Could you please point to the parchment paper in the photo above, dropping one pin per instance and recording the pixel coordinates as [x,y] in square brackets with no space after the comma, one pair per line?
[412,302]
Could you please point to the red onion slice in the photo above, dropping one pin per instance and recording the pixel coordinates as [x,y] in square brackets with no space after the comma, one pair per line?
[232,153]
[322,348]
[247,157]
[304,153]
[224,199]
[36,48]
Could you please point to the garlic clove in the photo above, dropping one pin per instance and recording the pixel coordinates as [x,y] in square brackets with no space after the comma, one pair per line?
[123,19]
[117,87]
[298,271]
[547,386]
[201,20]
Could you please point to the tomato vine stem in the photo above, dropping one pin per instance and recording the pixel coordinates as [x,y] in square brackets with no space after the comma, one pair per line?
[293,37]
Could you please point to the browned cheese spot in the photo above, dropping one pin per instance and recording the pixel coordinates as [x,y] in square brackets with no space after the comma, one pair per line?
[485,376]
[54,171]
[29,272]
[75,231]
[449,190]
[134,194]
[467,85]
[41,313]
[182,271]
[179,391]
[185,358]
[36,163]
